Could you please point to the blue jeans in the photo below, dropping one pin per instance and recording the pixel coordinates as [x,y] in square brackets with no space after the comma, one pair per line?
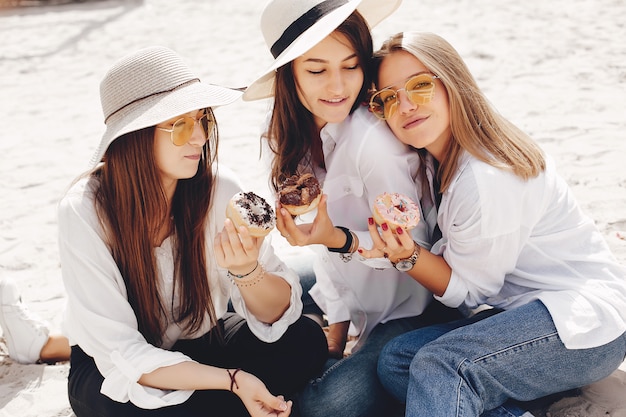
[303,266]
[349,387]
[468,366]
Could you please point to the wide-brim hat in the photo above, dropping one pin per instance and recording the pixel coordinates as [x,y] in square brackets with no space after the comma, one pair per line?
[148,87]
[293,27]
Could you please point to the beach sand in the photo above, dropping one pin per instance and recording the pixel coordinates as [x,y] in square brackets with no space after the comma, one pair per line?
[556,68]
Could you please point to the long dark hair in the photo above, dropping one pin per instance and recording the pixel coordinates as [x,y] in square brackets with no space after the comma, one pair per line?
[292,133]
[133,208]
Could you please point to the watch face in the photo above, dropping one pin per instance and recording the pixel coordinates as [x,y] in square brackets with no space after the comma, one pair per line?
[404,265]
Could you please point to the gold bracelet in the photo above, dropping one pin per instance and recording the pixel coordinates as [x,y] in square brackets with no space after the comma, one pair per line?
[252,279]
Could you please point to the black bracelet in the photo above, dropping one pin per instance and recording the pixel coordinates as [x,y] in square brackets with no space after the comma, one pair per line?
[345,248]
[233,382]
[239,276]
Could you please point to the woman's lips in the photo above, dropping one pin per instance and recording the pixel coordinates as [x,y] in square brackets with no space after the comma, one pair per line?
[415,121]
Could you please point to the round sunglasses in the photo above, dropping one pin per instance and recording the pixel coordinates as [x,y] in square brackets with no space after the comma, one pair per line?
[182,129]
[420,89]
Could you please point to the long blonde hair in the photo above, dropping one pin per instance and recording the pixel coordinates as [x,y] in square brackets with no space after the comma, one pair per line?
[476,126]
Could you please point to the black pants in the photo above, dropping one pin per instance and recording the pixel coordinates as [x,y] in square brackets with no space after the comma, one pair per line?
[285,366]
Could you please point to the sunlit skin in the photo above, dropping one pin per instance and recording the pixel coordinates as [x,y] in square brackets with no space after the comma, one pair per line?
[421,126]
[178,162]
[329,78]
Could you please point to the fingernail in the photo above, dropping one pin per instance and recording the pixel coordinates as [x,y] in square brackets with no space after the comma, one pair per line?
[283,406]
[384,227]
[370,221]
[360,250]
[399,230]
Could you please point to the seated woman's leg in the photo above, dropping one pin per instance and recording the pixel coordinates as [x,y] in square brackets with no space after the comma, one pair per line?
[396,357]
[515,354]
[350,387]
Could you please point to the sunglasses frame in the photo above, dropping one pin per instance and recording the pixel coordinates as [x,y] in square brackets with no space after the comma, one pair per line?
[207,131]
[425,96]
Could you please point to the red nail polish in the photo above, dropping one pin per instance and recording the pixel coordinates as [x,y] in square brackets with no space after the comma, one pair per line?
[399,230]
[384,227]
[370,221]
[360,250]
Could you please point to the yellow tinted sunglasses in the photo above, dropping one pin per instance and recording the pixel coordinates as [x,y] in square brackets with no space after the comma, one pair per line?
[420,89]
[182,129]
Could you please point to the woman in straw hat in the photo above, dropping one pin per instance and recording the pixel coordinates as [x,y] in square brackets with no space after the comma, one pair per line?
[149,263]
[514,238]
[319,80]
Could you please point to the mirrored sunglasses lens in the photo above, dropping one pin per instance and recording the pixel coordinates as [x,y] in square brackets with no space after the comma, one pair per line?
[377,107]
[383,101]
[421,88]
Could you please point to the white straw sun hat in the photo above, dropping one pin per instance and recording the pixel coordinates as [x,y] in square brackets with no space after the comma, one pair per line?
[149,87]
[292,27]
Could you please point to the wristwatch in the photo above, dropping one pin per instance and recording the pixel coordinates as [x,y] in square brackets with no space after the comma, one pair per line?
[406,264]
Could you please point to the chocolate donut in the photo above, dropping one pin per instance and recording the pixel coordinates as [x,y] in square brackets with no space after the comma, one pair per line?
[300,194]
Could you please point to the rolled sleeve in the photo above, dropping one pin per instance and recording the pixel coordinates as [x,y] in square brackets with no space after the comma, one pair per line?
[98,316]
[264,331]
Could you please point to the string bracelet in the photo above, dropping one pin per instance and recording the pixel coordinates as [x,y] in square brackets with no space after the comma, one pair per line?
[238,276]
[251,278]
[233,382]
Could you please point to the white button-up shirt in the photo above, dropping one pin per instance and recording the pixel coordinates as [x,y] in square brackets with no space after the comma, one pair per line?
[100,320]
[364,159]
[510,241]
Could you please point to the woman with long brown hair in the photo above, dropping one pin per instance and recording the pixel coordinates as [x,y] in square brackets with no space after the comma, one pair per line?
[320,126]
[149,263]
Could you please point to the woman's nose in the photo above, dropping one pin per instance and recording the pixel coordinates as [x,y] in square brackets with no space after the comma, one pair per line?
[405,104]
[198,135]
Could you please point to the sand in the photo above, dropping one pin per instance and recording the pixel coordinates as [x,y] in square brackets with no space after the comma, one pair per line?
[556,68]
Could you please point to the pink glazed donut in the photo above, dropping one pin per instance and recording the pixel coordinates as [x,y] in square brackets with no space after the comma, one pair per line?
[397,210]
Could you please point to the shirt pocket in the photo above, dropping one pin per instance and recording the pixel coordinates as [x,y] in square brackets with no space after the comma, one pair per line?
[343,186]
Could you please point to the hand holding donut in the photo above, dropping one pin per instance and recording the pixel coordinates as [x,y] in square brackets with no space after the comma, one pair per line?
[235,249]
[305,233]
[249,219]
[392,244]
[396,214]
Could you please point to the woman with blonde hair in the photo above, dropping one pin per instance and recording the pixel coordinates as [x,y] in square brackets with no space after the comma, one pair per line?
[514,239]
